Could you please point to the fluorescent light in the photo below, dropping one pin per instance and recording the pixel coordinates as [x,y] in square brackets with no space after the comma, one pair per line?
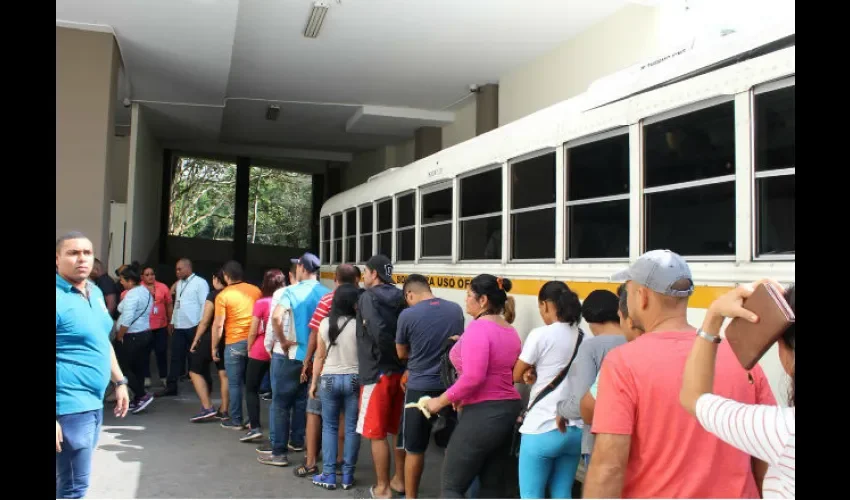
[317,17]
[272,112]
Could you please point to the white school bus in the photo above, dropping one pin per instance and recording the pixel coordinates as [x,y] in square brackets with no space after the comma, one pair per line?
[693,151]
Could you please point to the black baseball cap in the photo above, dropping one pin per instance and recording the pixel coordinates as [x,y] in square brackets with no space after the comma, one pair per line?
[382,265]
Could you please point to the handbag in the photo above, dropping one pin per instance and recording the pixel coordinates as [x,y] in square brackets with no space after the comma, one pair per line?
[517,436]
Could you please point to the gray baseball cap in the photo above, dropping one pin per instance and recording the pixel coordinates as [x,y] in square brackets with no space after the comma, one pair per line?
[659,270]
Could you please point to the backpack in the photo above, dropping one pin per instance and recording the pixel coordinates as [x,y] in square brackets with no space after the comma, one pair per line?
[448,373]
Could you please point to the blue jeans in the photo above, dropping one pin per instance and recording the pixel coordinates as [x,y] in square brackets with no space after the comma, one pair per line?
[549,460]
[80,432]
[236,363]
[289,402]
[339,393]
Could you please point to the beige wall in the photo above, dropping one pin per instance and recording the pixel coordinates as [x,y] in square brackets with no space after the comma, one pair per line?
[401,154]
[463,128]
[363,166]
[144,190]
[119,166]
[86,78]
[628,36]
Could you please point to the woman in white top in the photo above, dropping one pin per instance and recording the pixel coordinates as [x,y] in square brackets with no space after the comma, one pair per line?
[335,380]
[548,459]
[765,432]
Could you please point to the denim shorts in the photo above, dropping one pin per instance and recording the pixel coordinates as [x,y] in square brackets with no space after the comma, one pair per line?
[314,406]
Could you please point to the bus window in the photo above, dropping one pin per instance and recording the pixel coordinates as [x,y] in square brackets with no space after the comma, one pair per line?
[436,223]
[690,182]
[406,227]
[597,216]
[775,191]
[533,208]
[481,216]
[350,236]
[365,232]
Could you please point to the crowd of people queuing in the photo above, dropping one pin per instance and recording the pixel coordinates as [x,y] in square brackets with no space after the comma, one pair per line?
[652,406]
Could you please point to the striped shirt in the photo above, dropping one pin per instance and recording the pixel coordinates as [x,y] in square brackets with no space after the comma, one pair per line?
[323,310]
[765,432]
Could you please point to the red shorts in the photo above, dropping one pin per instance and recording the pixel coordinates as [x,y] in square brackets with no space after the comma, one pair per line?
[381,405]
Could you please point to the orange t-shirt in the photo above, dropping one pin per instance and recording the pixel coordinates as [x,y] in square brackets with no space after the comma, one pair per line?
[671,455]
[236,304]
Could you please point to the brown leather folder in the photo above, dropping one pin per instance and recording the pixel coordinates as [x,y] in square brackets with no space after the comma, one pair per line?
[749,341]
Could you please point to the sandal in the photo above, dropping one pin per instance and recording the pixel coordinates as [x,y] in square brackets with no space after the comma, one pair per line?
[304,471]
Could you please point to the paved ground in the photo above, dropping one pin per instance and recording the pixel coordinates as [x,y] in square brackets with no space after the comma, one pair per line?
[160,454]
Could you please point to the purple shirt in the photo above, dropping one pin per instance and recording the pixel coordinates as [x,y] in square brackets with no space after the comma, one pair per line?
[484,358]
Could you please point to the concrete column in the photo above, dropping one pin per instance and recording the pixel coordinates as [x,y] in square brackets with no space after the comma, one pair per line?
[486,108]
[86,80]
[427,141]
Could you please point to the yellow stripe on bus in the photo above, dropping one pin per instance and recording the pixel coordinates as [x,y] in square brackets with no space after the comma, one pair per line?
[703,295]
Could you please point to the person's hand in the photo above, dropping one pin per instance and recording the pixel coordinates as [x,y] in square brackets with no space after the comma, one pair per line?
[403,382]
[313,390]
[171,329]
[529,376]
[122,401]
[454,337]
[306,371]
[194,345]
[59,437]
[215,355]
[730,304]
[434,405]
[561,423]
[119,338]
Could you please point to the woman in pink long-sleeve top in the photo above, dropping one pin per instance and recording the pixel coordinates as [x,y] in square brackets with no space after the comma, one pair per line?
[484,357]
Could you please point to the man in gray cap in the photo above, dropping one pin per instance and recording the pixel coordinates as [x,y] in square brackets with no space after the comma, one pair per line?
[646,444]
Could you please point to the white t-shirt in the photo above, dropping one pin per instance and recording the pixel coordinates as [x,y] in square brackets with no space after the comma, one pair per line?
[271,342]
[549,348]
[342,357]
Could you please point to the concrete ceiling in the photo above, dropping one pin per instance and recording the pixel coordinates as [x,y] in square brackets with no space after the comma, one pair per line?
[209,69]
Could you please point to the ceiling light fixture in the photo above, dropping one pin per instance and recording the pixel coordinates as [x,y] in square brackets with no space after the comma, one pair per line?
[317,17]
[273,112]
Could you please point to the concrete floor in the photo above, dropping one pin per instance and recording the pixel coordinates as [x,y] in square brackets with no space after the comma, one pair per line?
[160,454]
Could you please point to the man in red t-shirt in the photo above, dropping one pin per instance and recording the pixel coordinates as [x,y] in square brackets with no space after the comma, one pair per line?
[647,445]
[345,273]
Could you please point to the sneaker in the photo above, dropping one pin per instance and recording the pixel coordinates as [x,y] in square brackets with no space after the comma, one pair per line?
[222,415]
[253,434]
[230,424]
[347,481]
[326,481]
[265,449]
[276,460]
[205,415]
[134,404]
[296,447]
[143,402]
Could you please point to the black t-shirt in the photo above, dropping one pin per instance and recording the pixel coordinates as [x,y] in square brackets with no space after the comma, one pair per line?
[211,298]
[106,285]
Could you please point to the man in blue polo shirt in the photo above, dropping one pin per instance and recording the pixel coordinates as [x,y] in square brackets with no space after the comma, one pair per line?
[85,363]
[291,326]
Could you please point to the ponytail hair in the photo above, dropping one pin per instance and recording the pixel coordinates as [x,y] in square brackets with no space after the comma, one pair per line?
[131,273]
[496,290]
[567,305]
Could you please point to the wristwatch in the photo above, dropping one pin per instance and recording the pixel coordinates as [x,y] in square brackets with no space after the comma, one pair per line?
[121,382]
[707,336]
